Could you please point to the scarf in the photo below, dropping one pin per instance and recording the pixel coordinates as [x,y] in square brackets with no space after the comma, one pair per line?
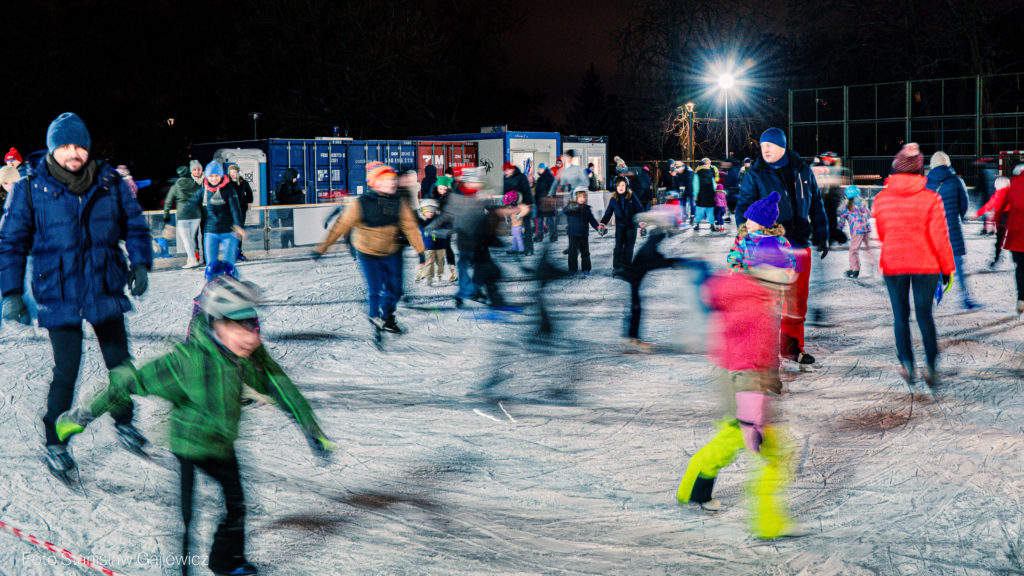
[780,162]
[77,183]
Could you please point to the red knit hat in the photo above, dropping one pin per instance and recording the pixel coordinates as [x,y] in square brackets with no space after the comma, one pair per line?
[508,166]
[376,172]
[12,154]
[908,160]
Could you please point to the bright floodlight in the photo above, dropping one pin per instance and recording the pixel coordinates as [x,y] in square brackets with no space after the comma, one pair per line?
[726,81]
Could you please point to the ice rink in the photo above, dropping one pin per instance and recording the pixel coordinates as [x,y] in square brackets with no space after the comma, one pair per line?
[468,447]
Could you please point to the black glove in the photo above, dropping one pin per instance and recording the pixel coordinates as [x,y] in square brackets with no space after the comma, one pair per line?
[138,280]
[14,309]
[823,248]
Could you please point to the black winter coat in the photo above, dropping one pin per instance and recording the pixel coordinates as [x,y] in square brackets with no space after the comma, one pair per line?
[624,209]
[578,217]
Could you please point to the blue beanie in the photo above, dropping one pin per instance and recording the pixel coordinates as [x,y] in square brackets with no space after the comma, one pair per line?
[775,136]
[765,211]
[214,168]
[542,166]
[852,191]
[68,128]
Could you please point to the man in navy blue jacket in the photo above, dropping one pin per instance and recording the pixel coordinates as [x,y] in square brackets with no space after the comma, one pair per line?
[802,213]
[70,213]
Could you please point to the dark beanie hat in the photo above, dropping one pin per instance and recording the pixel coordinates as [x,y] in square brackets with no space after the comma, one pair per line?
[775,136]
[908,160]
[765,211]
[68,128]
[182,171]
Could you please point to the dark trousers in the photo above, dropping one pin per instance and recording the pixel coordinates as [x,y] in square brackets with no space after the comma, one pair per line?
[635,309]
[486,275]
[67,357]
[528,234]
[1018,260]
[625,240]
[449,255]
[1000,234]
[579,249]
[923,287]
[228,550]
[383,283]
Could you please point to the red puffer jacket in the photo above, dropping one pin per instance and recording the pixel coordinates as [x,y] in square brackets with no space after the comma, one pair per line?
[1012,206]
[745,323]
[911,224]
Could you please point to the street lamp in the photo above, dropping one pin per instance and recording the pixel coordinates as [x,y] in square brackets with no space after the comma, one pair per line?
[725,82]
[255,118]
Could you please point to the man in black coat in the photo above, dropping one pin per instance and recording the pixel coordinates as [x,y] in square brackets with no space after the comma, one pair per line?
[546,215]
[288,192]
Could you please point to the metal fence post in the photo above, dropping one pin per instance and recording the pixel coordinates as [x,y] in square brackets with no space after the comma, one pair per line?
[977,116]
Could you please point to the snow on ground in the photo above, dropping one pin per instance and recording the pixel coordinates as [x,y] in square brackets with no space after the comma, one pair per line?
[468,449]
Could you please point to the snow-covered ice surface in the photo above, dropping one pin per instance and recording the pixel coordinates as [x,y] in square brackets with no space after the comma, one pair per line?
[467,449]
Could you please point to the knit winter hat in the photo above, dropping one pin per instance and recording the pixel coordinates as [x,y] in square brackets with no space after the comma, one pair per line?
[445,181]
[233,166]
[194,164]
[765,211]
[12,154]
[68,128]
[377,172]
[852,191]
[182,171]
[542,166]
[908,160]
[508,166]
[775,136]
[9,174]
[214,168]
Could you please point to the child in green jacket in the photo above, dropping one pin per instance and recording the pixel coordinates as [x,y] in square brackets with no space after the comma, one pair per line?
[204,378]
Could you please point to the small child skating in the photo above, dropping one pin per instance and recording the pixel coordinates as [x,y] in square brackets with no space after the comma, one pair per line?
[721,203]
[745,313]
[759,227]
[858,215]
[205,379]
[1002,185]
[517,212]
[579,220]
[435,246]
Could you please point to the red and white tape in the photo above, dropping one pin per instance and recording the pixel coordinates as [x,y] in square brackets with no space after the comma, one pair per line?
[67,554]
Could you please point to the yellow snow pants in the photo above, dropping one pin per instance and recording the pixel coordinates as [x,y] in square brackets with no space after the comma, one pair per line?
[765,488]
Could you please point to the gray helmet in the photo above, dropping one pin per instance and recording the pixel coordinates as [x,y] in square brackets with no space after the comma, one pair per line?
[228,297]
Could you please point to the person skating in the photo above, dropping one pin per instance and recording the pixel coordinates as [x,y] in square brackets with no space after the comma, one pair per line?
[721,201]
[434,245]
[683,182]
[1011,210]
[579,216]
[245,198]
[377,216]
[517,181]
[916,254]
[473,220]
[71,215]
[706,175]
[624,206]
[516,213]
[801,212]
[544,192]
[1002,184]
[944,181]
[187,217]
[442,191]
[206,381]
[224,231]
[856,213]
[744,351]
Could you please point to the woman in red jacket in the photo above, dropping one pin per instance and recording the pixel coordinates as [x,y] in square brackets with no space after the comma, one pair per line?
[1011,207]
[916,252]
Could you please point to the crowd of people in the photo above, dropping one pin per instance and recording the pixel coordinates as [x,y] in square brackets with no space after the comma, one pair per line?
[73,239]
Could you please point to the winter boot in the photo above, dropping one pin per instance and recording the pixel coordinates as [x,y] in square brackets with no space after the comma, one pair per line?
[804,359]
[391,325]
[132,439]
[856,273]
[849,273]
[421,273]
[931,377]
[907,372]
[970,304]
[453,276]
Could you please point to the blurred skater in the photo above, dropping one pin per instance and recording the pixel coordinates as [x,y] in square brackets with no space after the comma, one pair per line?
[856,213]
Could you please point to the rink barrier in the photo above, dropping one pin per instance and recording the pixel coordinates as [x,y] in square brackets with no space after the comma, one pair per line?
[68,555]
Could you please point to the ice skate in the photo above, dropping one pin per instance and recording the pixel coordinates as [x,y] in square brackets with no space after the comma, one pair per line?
[132,439]
[1020,307]
[191,263]
[931,378]
[713,505]
[391,325]
[421,273]
[245,569]
[637,346]
[61,464]
[907,372]
[452,274]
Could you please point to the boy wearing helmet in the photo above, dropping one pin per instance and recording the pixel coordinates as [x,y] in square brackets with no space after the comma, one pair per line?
[744,350]
[203,379]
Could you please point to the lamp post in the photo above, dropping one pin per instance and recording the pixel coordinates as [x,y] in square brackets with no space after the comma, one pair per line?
[725,82]
[255,119]
[689,114]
